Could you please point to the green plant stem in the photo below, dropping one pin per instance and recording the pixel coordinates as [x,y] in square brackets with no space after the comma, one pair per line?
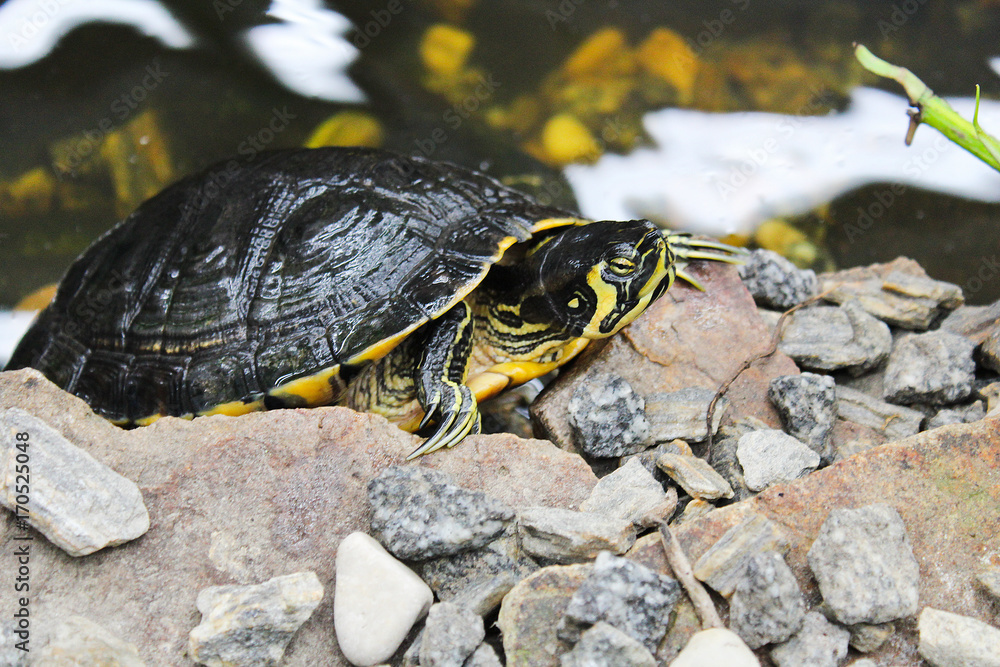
[934,111]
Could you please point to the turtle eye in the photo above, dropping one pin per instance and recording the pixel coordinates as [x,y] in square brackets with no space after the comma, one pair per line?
[621,266]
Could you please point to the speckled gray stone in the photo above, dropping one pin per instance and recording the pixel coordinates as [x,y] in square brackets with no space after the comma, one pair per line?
[726,463]
[959,414]
[683,414]
[78,641]
[770,456]
[807,404]
[695,476]
[565,536]
[478,579]
[10,656]
[819,643]
[830,338]
[625,594]
[607,418]
[989,349]
[894,421]
[724,564]
[604,645]
[451,634]
[631,493]
[419,513]
[899,293]
[767,606]
[951,640]
[483,656]
[934,367]
[864,565]
[774,282]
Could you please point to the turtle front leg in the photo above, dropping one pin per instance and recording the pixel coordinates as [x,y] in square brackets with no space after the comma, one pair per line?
[440,380]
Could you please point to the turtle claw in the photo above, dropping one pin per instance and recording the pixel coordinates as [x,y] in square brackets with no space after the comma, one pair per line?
[454,423]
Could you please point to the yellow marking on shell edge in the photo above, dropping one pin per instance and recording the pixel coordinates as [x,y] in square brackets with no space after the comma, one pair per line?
[234,408]
[315,389]
[552,223]
[495,379]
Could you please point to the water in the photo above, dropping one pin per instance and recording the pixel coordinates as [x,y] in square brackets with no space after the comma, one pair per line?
[104,102]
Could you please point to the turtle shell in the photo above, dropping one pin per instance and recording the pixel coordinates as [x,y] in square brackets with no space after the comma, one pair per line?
[253,274]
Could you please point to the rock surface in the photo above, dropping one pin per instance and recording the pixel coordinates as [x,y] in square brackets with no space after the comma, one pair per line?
[683,414]
[818,643]
[252,625]
[770,456]
[376,600]
[625,594]
[240,500]
[767,606]
[829,338]
[633,494]
[604,644]
[892,421]
[864,565]
[952,640]
[774,282]
[564,536]
[899,292]
[451,634]
[420,513]
[725,563]
[695,476]
[78,641]
[686,339]
[807,404]
[607,418]
[77,502]
[934,367]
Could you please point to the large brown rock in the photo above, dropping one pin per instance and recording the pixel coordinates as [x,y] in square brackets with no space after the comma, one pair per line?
[943,483]
[686,339]
[241,500]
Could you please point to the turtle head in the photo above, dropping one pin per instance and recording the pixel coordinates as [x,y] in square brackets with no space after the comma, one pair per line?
[594,279]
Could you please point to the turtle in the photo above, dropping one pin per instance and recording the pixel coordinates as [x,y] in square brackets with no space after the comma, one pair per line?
[391,284]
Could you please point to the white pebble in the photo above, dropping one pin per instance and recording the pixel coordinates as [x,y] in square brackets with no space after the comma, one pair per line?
[715,646]
[377,600]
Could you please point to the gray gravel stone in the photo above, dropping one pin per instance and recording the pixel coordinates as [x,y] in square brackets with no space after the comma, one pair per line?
[715,647]
[683,414]
[607,418]
[77,502]
[726,463]
[603,645]
[633,494]
[771,456]
[894,421]
[564,536]
[830,338]
[864,565]
[959,414]
[419,513]
[989,350]
[819,643]
[725,563]
[252,625]
[990,581]
[695,476]
[774,282]
[767,606]
[951,640]
[10,655]
[478,579]
[866,637]
[451,634]
[807,404]
[934,367]
[905,298]
[483,656]
[79,641]
[625,594]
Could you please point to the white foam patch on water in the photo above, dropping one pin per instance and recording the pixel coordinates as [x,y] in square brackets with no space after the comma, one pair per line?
[721,173]
[13,324]
[306,51]
[29,29]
